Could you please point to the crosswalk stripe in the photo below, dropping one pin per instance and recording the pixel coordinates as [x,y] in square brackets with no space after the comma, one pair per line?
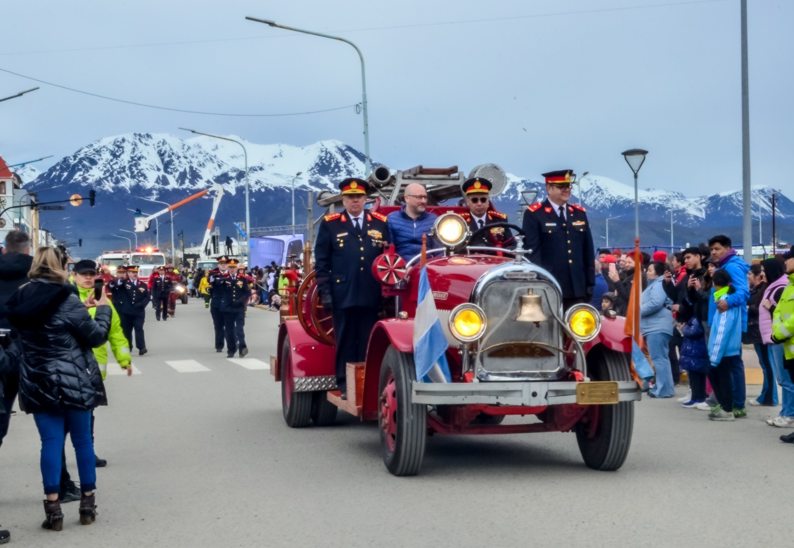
[250,363]
[115,369]
[186,366]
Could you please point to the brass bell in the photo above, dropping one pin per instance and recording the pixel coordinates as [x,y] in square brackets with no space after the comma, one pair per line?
[531,309]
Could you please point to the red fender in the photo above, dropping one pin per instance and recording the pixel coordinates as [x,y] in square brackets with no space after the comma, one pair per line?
[309,357]
[611,336]
[394,332]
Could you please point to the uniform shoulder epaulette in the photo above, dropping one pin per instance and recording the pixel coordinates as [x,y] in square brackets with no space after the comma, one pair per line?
[534,207]
[466,215]
[497,214]
[379,216]
[580,207]
[332,216]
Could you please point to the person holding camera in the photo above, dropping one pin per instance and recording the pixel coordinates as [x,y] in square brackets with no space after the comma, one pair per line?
[88,282]
[60,383]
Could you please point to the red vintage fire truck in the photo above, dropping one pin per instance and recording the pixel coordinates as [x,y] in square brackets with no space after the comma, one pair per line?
[513,352]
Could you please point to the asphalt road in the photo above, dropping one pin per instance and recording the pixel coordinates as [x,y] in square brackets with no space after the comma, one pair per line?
[199,456]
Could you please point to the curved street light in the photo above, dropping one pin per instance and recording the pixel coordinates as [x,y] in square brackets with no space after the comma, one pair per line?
[298,174]
[247,188]
[129,242]
[273,24]
[135,234]
[635,157]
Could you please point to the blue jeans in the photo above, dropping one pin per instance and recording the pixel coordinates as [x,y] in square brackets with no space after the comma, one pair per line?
[659,349]
[783,378]
[768,395]
[52,431]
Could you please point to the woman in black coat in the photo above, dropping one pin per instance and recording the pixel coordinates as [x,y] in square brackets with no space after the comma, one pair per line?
[60,381]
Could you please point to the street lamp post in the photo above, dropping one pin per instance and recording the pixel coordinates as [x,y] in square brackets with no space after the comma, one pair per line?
[635,157]
[135,234]
[20,94]
[247,188]
[298,174]
[607,233]
[171,212]
[129,242]
[672,245]
[363,76]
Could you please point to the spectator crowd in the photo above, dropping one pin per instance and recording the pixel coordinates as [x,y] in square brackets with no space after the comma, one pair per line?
[699,308]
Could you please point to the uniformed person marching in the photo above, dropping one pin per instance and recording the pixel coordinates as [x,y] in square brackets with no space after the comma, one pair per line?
[130,296]
[477,198]
[239,290]
[160,284]
[219,287]
[558,233]
[347,244]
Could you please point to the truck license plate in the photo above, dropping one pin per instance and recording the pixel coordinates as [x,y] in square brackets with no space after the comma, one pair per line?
[597,393]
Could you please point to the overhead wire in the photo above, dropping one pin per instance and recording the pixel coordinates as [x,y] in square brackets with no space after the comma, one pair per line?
[380,28]
[174,109]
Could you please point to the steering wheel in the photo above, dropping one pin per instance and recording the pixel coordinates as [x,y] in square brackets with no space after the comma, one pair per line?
[314,319]
[504,224]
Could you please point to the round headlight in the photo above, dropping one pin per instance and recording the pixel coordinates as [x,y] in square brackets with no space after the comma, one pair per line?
[451,229]
[584,322]
[467,322]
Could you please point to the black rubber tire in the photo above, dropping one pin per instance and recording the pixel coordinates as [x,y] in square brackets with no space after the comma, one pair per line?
[488,420]
[411,419]
[297,412]
[184,298]
[323,411]
[608,448]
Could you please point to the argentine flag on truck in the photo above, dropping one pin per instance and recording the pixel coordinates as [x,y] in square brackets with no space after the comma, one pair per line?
[430,343]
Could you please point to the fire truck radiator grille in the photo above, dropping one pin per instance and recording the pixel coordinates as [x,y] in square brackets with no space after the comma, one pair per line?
[512,349]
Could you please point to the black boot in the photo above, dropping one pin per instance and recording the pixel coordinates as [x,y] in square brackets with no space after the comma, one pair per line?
[5,536]
[69,492]
[53,515]
[87,509]
[787,438]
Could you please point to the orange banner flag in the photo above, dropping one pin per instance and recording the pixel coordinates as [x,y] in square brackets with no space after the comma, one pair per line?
[632,327]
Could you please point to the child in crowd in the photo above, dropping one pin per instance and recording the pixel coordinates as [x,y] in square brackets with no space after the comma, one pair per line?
[725,348]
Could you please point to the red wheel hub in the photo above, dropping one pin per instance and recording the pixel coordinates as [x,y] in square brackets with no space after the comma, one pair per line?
[388,413]
[389,268]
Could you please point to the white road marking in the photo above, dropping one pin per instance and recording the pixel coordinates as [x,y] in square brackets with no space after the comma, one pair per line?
[186,366]
[250,363]
[115,369]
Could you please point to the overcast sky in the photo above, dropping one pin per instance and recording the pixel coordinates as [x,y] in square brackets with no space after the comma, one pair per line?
[532,85]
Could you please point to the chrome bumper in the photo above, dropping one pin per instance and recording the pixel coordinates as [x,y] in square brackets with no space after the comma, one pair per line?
[530,394]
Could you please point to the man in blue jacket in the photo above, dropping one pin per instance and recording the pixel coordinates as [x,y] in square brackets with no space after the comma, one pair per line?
[407,226]
[725,258]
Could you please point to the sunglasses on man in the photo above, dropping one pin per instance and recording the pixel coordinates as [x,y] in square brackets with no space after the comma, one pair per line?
[478,199]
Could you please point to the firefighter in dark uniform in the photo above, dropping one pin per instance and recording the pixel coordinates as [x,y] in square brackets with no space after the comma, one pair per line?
[558,234]
[347,244]
[130,296]
[477,198]
[219,297]
[239,291]
[160,285]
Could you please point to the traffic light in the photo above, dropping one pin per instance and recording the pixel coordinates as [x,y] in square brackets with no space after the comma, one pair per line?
[91,197]
[79,242]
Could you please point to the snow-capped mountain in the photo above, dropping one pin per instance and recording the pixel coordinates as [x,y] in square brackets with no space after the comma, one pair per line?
[128,171]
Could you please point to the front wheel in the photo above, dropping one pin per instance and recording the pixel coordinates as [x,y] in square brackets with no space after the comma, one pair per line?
[295,406]
[323,411]
[605,439]
[403,425]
